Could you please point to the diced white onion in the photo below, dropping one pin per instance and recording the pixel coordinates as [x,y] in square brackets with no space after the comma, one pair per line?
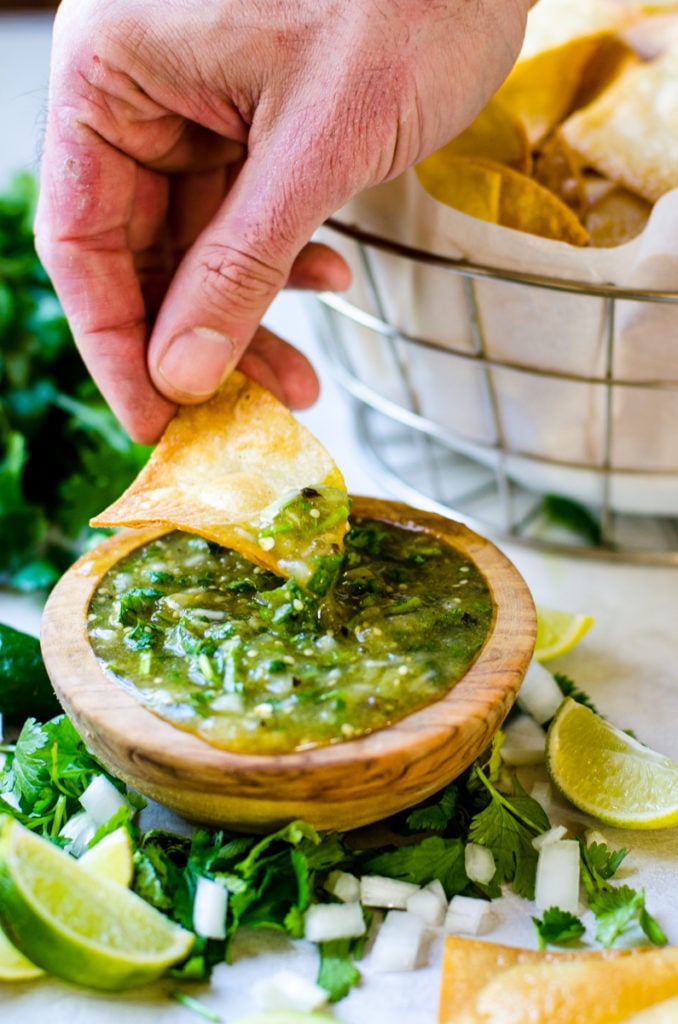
[286,990]
[467,915]
[343,885]
[479,863]
[429,903]
[592,835]
[557,882]
[524,742]
[385,893]
[552,835]
[209,908]
[79,830]
[102,799]
[539,694]
[324,922]
[542,792]
[398,944]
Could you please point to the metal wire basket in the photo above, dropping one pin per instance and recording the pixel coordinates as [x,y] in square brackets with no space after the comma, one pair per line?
[493,482]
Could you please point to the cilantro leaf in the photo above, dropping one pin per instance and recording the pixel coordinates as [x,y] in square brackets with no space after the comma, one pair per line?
[46,773]
[570,689]
[507,826]
[436,815]
[420,863]
[337,973]
[557,927]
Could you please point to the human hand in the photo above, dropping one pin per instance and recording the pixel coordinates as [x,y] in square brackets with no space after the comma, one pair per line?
[193,148]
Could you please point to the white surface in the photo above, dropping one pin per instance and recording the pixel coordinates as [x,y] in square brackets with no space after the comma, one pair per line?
[627,663]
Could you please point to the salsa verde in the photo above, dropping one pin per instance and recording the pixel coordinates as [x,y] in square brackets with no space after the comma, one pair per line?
[225,649]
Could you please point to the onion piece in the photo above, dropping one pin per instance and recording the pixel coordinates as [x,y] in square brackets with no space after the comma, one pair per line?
[209,908]
[286,990]
[385,893]
[102,799]
[479,863]
[343,885]
[557,881]
[592,835]
[79,830]
[467,915]
[524,742]
[539,694]
[399,941]
[542,792]
[552,835]
[429,903]
[324,922]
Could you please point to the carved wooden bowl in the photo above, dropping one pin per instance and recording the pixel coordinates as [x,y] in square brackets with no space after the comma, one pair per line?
[341,786]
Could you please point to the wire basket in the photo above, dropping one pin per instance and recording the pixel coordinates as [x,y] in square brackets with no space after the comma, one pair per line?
[591,503]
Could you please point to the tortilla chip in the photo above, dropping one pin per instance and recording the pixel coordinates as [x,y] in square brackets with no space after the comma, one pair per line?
[222,470]
[496,134]
[496,193]
[665,1012]
[617,217]
[629,133]
[557,169]
[564,40]
[484,983]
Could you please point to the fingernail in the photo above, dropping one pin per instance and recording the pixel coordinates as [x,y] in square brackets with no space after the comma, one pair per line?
[196,361]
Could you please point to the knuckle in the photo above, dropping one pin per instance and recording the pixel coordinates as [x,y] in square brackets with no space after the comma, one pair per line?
[235,278]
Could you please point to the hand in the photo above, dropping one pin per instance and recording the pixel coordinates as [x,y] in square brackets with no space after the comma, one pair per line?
[193,148]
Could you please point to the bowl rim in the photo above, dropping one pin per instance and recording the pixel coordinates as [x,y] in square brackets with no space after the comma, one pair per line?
[106,714]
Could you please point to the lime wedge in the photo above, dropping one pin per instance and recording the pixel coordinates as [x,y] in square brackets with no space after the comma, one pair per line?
[558,631]
[78,926]
[13,965]
[112,857]
[608,774]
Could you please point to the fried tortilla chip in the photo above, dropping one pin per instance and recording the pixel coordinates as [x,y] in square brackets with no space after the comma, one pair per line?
[496,134]
[240,470]
[484,983]
[616,217]
[496,193]
[563,39]
[665,1012]
[629,133]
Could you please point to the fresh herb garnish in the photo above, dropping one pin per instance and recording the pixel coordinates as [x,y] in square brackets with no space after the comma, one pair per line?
[507,826]
[63,456]
[557,928]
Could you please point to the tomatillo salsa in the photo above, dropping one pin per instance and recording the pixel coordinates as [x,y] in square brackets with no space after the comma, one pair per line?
[226,650]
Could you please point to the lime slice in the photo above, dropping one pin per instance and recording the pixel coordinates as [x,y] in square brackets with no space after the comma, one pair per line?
[78,926]
[112,857]
[13,965]
[608,774]
[558,631]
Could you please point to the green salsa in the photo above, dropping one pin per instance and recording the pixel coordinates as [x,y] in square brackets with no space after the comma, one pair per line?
[225,649]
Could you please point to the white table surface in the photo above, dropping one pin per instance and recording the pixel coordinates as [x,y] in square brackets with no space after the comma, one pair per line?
[628,663]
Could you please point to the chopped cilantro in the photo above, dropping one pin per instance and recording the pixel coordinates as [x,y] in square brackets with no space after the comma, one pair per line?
[507,826]
[557,928]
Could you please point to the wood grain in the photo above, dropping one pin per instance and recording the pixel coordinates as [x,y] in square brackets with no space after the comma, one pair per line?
[336,787]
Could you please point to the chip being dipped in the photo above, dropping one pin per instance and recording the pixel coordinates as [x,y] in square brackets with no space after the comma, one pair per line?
[240,470]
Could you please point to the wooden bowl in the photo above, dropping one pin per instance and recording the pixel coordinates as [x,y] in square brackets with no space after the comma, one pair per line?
[338,787]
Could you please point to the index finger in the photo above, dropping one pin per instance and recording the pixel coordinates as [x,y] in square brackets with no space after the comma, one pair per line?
[92,200]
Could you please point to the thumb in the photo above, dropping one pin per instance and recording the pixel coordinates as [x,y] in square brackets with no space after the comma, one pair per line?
[230,276]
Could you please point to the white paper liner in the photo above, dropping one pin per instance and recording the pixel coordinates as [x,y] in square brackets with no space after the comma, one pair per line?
[553,434]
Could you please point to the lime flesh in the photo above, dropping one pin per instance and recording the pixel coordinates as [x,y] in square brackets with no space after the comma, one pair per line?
[558,631]
[608,774]
[86,929]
